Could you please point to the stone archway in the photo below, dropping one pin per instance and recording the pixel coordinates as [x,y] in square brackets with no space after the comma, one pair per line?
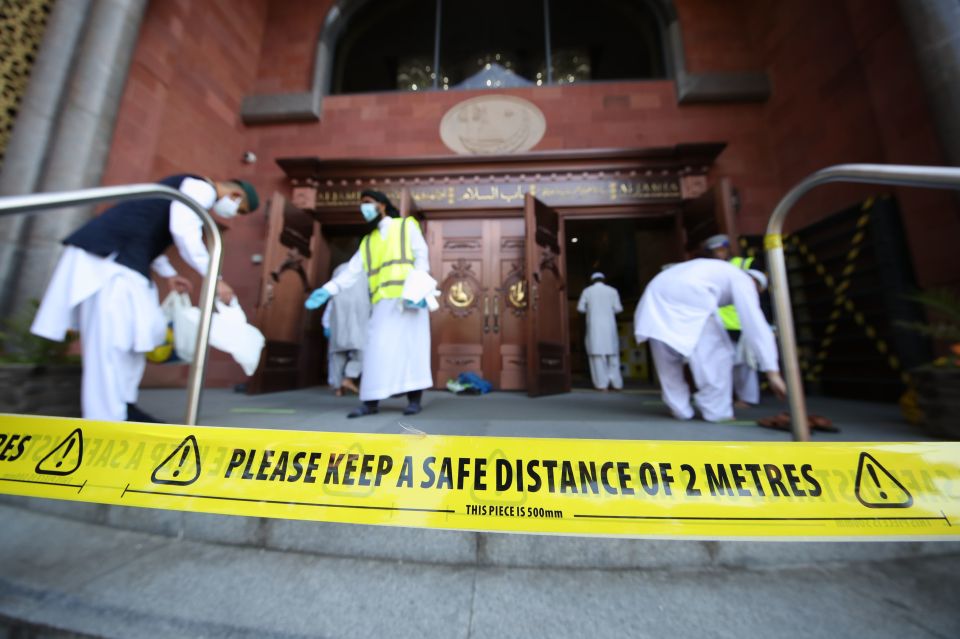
[691,87]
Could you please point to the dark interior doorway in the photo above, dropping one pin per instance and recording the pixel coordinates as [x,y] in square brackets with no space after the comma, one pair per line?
[629,252]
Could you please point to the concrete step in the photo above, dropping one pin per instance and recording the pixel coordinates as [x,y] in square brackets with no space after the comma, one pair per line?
[61,578]
[458,548]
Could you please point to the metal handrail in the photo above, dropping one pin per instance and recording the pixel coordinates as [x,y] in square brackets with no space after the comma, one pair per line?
[898,175]
[39,201]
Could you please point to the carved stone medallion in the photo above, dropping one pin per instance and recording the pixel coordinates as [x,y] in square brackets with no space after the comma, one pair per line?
[492,124]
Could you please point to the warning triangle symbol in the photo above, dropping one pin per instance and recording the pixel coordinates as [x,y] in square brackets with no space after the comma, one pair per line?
[182,467]
[65,458]
[877,488]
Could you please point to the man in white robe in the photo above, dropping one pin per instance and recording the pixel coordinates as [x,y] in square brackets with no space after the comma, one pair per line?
[678,314]
[345,327]
[396,358]
[601,303]
[102,287]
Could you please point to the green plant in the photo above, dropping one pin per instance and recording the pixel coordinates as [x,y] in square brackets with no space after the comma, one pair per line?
[19,346]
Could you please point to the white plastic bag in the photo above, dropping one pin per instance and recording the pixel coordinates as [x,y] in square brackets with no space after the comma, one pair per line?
[179,313]
[419,286]
[231,333]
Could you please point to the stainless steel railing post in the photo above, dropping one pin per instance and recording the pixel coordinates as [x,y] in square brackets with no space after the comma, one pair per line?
[41,201]
[892,174]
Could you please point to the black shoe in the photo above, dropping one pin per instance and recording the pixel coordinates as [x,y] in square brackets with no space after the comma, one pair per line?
[134,414]
[412,408]
[362,411]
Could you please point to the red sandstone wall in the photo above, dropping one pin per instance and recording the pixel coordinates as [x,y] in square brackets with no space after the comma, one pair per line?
[289,45]
[844,90]
[608,115]
[713,36]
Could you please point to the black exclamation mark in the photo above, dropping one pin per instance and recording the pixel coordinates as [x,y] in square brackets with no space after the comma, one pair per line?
[876,480]
[183,460]
[65,453]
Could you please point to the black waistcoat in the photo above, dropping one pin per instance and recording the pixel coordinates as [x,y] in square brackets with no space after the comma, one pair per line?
[137,230]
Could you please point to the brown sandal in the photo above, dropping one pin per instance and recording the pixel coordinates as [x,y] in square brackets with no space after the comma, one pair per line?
[818,422]
[777,422]
[783,422]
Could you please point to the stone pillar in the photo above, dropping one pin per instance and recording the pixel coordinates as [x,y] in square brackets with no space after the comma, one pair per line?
[34,127]
[934,28]
[77,152]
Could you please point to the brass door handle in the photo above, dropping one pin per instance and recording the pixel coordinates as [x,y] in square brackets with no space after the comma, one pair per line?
[496,314]
[486,314]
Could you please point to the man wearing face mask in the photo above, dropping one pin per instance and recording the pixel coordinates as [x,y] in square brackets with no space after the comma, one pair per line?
[102,286]
[396,358]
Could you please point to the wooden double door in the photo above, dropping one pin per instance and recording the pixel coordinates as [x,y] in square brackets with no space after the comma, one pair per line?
[503,312]
[485,298]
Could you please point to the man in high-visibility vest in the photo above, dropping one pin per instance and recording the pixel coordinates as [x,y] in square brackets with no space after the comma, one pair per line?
[397,354]
[746,384]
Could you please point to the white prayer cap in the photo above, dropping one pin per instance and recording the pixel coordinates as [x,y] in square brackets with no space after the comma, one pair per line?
[597,276]
[716,241]
[759,276]
[667,265]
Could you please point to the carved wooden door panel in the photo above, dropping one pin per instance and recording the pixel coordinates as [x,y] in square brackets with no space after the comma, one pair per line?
[507,352]
[479,326]
[548,359]
[289,267]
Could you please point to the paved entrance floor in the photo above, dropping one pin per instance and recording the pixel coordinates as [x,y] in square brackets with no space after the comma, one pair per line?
[70,580]
[632,414]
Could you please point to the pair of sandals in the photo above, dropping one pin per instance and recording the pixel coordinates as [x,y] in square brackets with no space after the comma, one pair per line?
[346,386]
[782,422]
[365,409]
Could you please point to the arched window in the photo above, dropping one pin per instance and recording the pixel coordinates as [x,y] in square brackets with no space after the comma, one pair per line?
[399,45]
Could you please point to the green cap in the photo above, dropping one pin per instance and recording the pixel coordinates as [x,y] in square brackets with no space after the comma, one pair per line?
[253,200]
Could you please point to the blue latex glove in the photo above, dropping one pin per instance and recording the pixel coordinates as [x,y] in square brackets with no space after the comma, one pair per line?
[317,299]
[326,332]
[421,304]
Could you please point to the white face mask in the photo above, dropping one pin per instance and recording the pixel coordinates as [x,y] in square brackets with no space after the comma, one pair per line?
[226,207]
[369,210]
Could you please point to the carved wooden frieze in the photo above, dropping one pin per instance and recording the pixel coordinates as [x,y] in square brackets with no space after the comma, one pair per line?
[467,192]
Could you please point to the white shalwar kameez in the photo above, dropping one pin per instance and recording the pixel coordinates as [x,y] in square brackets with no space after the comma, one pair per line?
[397,355]
[678,314]
[601,303]
[746,384]
[117,310]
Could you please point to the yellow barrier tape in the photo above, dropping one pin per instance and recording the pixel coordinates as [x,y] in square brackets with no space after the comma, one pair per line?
[772,241]
[574,487]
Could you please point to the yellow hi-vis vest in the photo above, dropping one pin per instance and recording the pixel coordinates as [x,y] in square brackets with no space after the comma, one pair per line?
[387,262]
[728,314]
